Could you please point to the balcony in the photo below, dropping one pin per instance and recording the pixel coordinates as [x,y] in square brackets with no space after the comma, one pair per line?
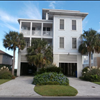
[26,32]
[36,33]
[47,33]
[36,29]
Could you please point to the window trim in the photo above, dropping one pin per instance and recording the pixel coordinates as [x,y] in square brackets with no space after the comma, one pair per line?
[59,43]
[76,43]
[59,24]
[76,25]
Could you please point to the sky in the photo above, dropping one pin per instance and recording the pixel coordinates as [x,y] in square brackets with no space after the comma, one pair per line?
[10,11]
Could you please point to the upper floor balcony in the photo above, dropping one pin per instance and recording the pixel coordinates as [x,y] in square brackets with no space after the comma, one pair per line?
[36,29]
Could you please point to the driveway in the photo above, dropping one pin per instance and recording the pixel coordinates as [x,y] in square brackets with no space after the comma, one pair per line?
[85,88]
[19,87]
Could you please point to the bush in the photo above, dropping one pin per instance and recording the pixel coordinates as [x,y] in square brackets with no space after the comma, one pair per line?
[92,74]
[49,68]
[5,73]
[50,78]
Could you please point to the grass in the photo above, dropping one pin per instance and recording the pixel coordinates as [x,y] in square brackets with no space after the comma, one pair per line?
[97,83]
[55,90]
[3,81]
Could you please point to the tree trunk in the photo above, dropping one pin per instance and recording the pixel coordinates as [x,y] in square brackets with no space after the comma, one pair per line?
[13,62]
[89,59]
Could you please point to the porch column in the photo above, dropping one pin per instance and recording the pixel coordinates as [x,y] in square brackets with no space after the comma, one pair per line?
[20,26]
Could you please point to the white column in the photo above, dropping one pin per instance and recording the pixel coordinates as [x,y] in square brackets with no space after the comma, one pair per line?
[47,16]
[30,32]
[56,59]
[41,30]
[30,29]
[79,65]
[19,64]
[20,26]
[30,40]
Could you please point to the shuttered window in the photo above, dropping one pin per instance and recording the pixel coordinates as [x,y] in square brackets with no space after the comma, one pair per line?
[74,43]
[73,24]
[61,23]
[61,42]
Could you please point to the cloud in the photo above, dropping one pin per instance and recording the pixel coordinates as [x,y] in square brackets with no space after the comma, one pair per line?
[52,4]
[85,21]
[31,11]
[11,27]
[5,17]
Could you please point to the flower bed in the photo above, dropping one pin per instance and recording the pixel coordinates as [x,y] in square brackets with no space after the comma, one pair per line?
[91,74]
[50,78]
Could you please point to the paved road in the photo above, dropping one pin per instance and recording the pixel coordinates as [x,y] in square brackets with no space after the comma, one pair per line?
[46,98]
[85,88]
[19,87]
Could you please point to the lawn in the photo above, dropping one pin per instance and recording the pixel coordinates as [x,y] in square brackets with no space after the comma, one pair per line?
[97,83]
[3,81]
[55,90]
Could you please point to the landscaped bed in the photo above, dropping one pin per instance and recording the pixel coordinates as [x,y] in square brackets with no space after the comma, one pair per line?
[55,90]
[97,83]
[3,81]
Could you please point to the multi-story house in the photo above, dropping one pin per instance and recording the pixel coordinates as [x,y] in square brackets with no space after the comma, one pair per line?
[62,29]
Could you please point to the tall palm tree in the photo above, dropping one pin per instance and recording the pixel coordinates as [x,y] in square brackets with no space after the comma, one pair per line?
[90,43]
[39,53]
[13,40]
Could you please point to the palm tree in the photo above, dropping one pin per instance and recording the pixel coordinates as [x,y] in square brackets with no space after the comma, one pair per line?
[90,43]
[39,53]
[13,40]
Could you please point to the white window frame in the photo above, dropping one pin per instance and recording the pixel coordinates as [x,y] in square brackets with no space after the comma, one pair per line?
[72,42]
[59,43]
[59,24]
[76,25]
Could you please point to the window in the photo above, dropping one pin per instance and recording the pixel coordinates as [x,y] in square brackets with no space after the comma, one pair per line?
[61,42]
[74,43]
[61,23]
[73,24]
[48,28]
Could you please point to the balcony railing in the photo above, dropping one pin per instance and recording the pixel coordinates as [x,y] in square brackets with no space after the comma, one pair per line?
[36,33]
[47,33]
[26,32]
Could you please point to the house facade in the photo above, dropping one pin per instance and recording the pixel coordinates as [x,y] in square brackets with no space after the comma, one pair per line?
[62,29]
[5,59]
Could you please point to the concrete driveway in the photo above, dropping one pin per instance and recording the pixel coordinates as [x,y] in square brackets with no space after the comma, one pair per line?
[85,88]
[19,87]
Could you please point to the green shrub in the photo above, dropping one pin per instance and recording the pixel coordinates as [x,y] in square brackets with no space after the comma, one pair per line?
[5,73]
[49,68]
[85,69]
[50,78]
[92,75]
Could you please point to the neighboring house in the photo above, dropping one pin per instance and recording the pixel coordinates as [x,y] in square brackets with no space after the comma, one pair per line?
[95,60]
[62,29]
[5,59]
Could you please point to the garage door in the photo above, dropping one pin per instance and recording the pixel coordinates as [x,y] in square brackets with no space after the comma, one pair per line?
[68,58]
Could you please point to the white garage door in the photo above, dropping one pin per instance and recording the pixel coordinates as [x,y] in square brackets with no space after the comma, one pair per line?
[67,58]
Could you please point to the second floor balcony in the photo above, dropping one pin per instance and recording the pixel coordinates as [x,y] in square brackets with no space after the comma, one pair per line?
[36,29]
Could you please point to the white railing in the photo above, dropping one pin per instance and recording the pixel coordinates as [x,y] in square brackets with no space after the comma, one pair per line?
[36,33]
[26,32]
[47,33]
